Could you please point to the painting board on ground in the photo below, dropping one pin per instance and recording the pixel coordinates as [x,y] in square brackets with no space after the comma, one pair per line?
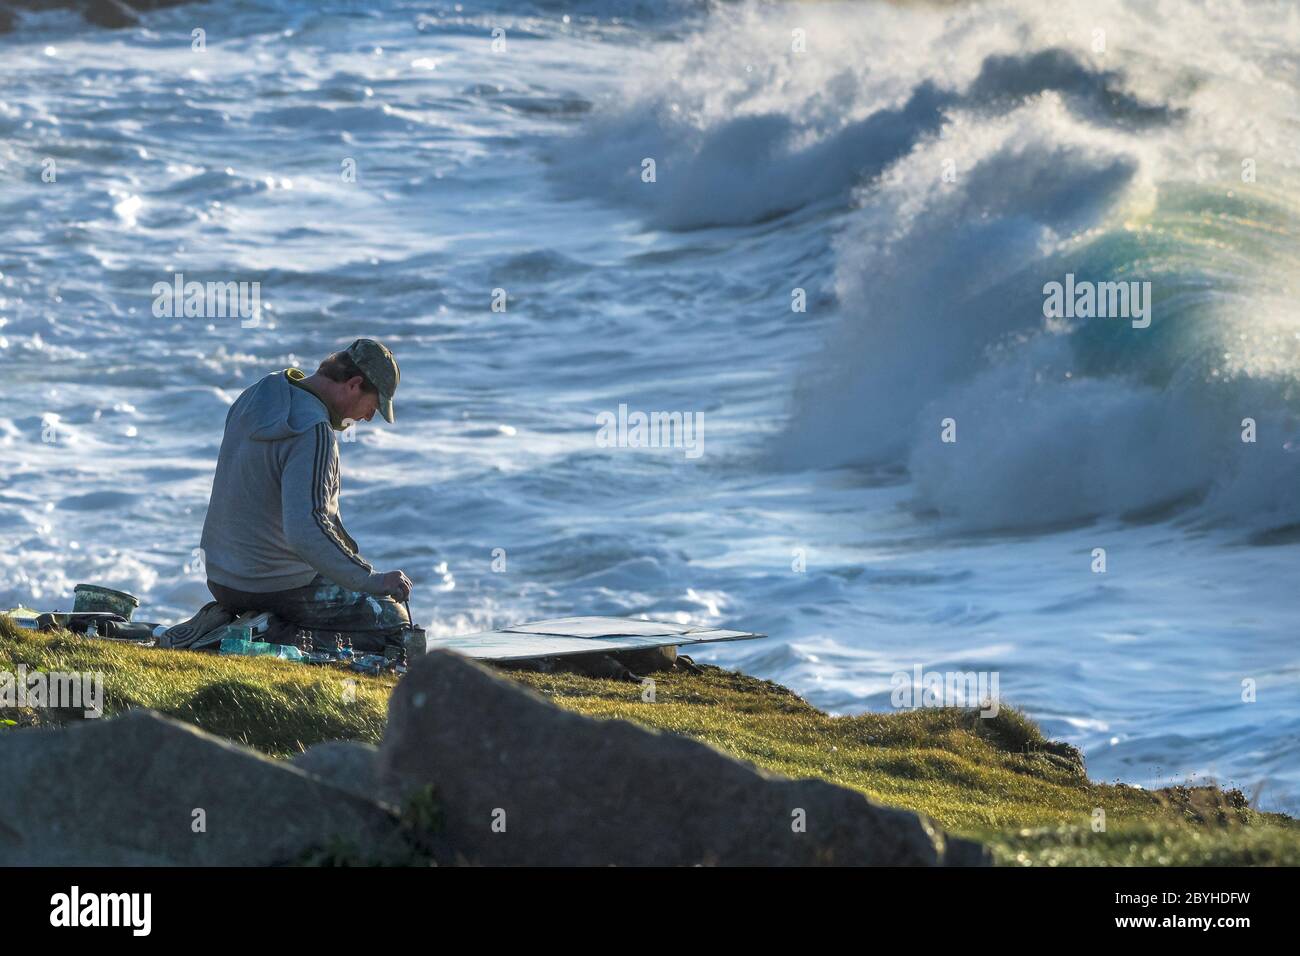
[581,635]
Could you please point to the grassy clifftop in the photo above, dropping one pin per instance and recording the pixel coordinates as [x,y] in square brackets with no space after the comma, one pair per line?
[998,779]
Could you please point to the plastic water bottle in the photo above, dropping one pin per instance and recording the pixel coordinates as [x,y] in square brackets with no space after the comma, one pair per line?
[242,648]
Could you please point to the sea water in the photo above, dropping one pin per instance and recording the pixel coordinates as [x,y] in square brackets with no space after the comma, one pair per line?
[835,266]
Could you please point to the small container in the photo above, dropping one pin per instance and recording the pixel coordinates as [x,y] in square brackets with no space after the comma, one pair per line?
[415,641]
[92,597]
[22,616]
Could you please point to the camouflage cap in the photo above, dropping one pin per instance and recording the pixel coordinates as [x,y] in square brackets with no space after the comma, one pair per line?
[380,369]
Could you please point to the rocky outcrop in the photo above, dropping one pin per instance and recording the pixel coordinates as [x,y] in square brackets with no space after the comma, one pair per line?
[524,782]
[144,790]
[113,14]
[486,772]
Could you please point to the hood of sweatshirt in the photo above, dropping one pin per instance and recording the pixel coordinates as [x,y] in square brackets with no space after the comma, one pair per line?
[275,408]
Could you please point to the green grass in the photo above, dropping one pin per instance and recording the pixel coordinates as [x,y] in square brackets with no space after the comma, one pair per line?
[270,705]
[998,779]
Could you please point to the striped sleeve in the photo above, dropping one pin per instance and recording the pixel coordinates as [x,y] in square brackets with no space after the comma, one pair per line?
[309,496]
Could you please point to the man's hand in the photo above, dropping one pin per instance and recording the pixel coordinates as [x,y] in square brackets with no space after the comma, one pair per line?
[397,585]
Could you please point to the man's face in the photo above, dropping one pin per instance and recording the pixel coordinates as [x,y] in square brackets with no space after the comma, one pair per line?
[358,404]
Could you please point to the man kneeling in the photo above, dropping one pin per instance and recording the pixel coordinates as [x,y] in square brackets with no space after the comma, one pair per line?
[273,539]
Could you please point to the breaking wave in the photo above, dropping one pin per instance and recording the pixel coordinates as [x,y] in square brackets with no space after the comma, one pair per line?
[965,174]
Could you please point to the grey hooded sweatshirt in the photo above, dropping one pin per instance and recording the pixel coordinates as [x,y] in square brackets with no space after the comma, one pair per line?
[273,519]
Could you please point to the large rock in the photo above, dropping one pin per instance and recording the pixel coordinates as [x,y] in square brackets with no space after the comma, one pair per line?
[523,781]
[124,792]
[114,14]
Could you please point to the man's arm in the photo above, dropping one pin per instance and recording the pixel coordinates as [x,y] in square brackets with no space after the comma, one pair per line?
[309,509]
